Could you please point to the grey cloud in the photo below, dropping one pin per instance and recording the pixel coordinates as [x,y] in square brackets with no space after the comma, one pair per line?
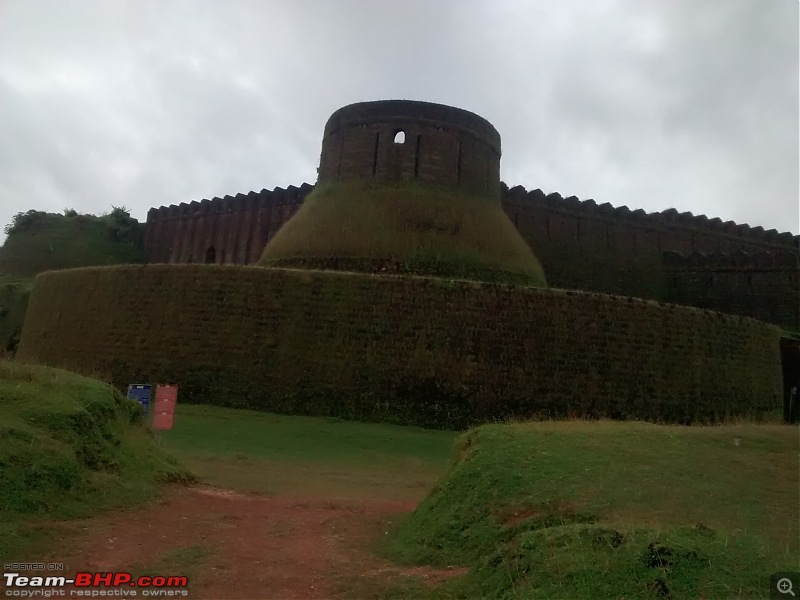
[640,102]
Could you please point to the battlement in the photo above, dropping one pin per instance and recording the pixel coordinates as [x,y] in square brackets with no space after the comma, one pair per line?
[737,261]
[227,230]
[669,219]
[275,197]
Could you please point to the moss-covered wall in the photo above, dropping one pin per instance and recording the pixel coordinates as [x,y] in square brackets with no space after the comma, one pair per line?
[426,351]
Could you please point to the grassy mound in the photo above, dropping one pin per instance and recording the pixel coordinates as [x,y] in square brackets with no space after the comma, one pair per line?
[612,510]
[404,228]
[39,241]
[69,446]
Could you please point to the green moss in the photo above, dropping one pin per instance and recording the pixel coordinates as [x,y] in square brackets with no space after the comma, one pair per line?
[406,228]
[412,350]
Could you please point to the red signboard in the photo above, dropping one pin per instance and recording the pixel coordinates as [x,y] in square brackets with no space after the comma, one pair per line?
[164,413]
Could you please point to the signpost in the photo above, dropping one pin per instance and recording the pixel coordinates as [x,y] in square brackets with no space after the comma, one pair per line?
[164,413]
[141,393]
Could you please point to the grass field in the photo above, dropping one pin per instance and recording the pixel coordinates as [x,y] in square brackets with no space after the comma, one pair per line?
[542,510]
[534,510]
[611,509]
[269,454]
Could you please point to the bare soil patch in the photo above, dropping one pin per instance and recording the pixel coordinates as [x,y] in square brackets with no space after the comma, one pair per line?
[238,545]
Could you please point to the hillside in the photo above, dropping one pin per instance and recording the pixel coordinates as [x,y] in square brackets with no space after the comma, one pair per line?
[600,509]
[69,447]
[40,241]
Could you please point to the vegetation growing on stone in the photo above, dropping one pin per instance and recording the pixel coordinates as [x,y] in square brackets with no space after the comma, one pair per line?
[408,228]
[411,350]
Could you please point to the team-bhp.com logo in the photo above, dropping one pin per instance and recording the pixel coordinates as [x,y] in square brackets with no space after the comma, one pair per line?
[94,585]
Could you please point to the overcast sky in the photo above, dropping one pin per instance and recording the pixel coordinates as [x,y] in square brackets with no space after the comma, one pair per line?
[653,104]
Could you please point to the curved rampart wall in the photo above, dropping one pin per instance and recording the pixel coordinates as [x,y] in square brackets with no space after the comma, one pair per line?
[385,348]
[765,286]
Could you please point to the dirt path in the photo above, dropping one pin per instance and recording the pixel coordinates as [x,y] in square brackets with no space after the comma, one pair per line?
[234,545]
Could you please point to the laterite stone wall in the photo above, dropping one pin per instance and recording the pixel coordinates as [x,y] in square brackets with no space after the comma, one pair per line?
[423,351]
[440,144]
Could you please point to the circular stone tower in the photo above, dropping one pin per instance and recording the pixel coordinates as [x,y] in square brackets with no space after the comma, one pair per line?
[407,187]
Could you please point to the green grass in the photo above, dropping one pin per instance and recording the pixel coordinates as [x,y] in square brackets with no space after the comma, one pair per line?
[69,447]
[405,228]
[266,453]
[39,241]
[612,510]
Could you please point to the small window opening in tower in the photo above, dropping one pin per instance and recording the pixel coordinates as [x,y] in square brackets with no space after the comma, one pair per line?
[400,137]
[211,256]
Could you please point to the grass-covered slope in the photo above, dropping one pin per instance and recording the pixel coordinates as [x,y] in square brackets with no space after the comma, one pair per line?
[612,510]
[39,241]
[405,228]
[69,446]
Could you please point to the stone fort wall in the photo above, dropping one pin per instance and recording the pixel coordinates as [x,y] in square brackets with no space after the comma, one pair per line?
[402,140]
[373,347]
[581,244]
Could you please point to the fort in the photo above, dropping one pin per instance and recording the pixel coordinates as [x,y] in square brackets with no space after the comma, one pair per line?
[340,298]
[668,256]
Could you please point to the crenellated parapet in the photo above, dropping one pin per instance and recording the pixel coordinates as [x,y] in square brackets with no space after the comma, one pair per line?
[666,221]
[737,261]
[227,230]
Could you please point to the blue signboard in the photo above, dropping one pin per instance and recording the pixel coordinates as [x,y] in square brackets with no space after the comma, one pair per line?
[140,393]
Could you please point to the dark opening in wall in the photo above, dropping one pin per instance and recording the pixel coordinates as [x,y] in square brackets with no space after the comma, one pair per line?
[210,256]
[750,280]
[375,154]
[400,137]
[460,153]
[416,156]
